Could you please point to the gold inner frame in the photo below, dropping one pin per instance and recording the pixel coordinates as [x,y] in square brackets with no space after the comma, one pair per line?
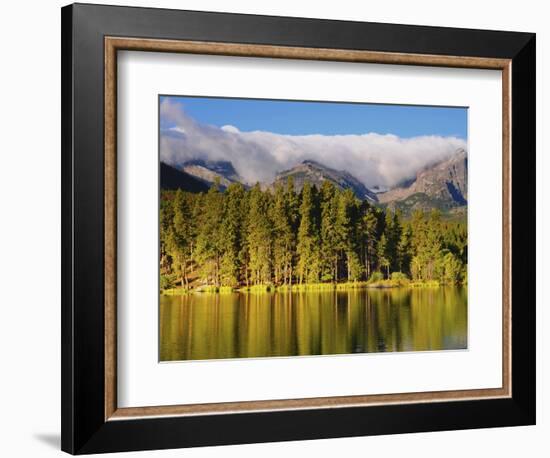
[114,44]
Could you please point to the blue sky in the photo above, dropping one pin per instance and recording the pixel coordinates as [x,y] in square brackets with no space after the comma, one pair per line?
[303,118]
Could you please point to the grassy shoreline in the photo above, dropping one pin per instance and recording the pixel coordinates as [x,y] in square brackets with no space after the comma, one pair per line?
[308,287]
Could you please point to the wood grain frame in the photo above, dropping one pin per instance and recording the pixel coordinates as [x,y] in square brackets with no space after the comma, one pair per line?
[114,44]
[91,36]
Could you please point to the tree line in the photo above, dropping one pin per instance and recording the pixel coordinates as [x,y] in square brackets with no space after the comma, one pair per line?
[246,237]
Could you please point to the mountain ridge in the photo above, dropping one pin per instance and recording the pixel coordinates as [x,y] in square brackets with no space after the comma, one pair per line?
[443,185]
[211,171]
[172,179]
[316,173]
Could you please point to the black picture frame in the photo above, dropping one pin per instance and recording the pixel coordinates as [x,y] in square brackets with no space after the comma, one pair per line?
[84,428]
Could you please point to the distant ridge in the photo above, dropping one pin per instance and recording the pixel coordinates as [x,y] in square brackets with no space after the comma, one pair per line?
[172,179]
[212,171]
[315,173]
[443,185]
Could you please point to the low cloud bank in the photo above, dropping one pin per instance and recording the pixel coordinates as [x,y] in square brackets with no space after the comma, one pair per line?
[376,160]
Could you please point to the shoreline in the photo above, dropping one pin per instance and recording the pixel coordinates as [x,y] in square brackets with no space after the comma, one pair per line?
[309,288]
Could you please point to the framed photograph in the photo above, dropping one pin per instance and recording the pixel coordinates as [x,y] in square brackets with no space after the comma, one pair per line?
[282,228]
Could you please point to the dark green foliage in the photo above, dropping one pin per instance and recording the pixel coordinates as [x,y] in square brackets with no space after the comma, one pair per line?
[232,235]
[329,236]
[210,237]
[176,235]
[261,237]
[284,241]
[308,249]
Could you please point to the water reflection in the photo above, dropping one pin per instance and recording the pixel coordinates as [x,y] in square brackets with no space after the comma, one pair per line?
[242,325]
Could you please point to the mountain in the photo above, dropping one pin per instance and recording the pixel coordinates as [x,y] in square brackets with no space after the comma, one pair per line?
[209,171]
[443,185]
[173,179]
[316,173]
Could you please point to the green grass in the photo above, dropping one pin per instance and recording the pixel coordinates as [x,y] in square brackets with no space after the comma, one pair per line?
[215,289]
[400,282]
[258,288]
[404,283]
[310,287]
[425,284]
[351,285]
[388,284]
[202,289]
[321,286]
[174,292]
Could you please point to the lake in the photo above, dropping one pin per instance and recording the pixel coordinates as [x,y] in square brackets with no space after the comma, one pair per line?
[246,325]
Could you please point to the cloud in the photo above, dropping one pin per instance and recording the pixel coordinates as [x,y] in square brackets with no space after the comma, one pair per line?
[375,159]
[230,128]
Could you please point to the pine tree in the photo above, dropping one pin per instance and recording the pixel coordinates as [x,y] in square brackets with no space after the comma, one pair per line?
[433,246]
[392,231]
[449,268]
[404,249]
[348,234]
[329,234]
[166,217]
[293,209]
[282,236]
[243,237]
[368,232]
[232,235]
[382,252]
[307,242]
[178,237]
[259,237]
[209,243]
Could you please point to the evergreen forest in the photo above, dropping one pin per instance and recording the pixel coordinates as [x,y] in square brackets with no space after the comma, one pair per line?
[278,238]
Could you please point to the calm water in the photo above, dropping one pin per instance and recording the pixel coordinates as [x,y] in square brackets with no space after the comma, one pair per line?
[241,325]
